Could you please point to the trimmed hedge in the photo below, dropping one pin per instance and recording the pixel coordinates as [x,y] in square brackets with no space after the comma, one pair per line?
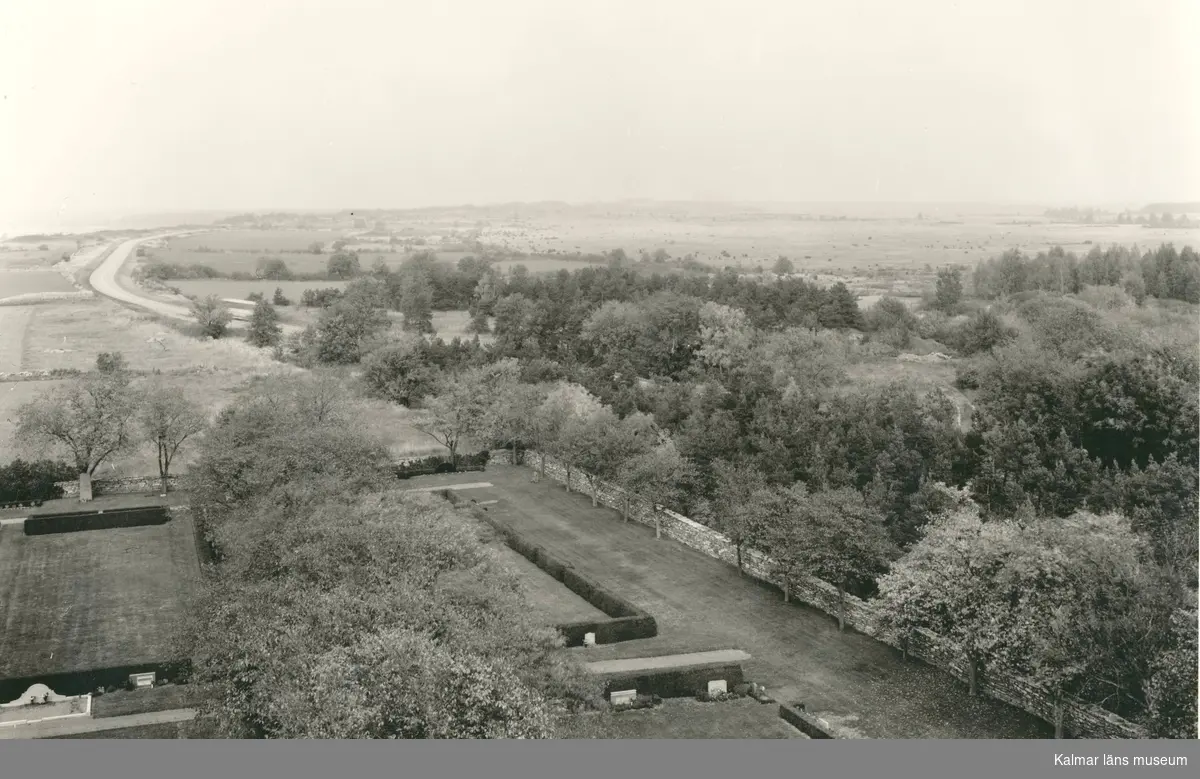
[675,682]
[807,724]
[627,621]
[81,682]
[438,464]
[76,521]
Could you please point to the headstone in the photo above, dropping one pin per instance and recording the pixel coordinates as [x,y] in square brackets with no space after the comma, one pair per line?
[138,681]
[85,488]
[717,686]
[620,697]
[589,639]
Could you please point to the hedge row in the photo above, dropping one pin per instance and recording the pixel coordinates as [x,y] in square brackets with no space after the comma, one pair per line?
[675,682]
[627,621]
[437,464]
[95,520]
[82,682]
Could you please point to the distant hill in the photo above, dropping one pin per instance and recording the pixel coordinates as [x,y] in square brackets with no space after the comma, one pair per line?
[1172,208]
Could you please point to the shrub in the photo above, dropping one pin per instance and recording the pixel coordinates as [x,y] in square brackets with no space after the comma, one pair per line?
[30,481]
[280,299]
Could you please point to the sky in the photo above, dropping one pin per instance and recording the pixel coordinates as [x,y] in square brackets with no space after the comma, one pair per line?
[127,106]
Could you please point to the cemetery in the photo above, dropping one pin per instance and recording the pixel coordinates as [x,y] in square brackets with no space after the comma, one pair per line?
[89,599]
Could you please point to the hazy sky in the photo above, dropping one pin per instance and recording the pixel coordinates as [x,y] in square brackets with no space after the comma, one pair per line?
[254,104]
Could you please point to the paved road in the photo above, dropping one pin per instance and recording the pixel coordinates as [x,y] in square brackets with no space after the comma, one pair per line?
[667,661]
[113,280]
[70,727]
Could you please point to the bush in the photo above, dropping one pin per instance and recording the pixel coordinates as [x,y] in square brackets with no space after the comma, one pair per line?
[22,481]
[280,299]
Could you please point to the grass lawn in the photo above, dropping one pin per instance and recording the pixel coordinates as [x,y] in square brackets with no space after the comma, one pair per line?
[687,718]
[165,698]
[159,730]
[543,593]
[702,604]
[93,599]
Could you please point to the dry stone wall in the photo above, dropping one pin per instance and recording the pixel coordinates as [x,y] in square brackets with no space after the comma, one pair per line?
[1080,719]
[118,486]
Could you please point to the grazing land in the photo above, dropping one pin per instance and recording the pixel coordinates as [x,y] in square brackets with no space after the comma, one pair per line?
[14,283]
[93,599]
[257,240]
[702,604]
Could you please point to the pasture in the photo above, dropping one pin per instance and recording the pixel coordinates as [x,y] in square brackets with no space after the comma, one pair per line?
[21,255]
[854,246]
[93,599]
[257,240]
[28,282]
[702,604]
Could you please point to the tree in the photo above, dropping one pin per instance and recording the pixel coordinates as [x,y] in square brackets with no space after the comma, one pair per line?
[400,371]
[739,508]
[660,473]
[949,290]
[91,419]
[264,327]
[279,299]
[564,402]
[1170,693]
[464,404]
[835,536]
[783,266]
[111,362]
[345,330]
[316,247]
[416,299]
[344,265]
[212,316]
[840,310]
[272,268]
[600,443]
[167,419]
[726,336]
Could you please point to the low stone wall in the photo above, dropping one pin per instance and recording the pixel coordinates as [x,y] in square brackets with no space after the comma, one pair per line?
[119,486]
[1080,719]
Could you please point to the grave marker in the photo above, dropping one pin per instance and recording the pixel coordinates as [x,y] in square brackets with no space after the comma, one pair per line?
[621,697]
[717,686]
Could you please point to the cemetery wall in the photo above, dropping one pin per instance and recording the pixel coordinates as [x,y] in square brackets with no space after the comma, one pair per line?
[1083,720]
[82,682]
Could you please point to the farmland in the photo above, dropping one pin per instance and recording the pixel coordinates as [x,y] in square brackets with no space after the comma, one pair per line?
[257,240]
[89,600]
[27,282]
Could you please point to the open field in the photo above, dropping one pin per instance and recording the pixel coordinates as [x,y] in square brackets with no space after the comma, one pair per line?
[257,240]
[26,282]
[544,594]
[93,599]
[545,264]
[702,604]
[686,718]
[71,335]
[14,321]
[158,730]
[27,256]
[956,235]
[227,288]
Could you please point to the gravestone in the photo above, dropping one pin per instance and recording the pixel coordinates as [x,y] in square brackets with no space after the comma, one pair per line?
[137,681]
[620,697]
[589,639]
[717,686]
[85,488]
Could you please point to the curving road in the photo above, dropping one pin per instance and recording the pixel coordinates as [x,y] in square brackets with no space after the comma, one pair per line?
[112,280]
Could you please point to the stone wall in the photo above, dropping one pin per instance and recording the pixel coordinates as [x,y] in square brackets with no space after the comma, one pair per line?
[1080,719]
[118,486]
